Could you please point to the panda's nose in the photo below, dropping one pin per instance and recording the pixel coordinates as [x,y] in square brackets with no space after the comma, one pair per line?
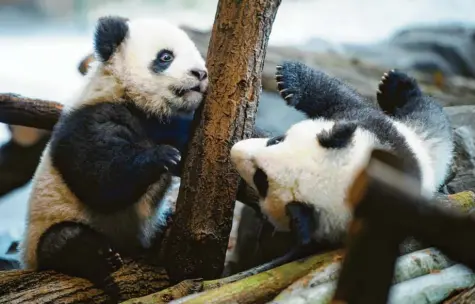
[200,74]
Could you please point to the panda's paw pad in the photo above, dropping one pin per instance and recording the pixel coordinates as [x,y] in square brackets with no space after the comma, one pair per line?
[286,91]
[395,88]
[169,158]
[112,259]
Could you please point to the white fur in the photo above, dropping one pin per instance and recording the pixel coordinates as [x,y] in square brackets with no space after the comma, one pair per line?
[125,76]
[299,169]
[127,73]
[434,155]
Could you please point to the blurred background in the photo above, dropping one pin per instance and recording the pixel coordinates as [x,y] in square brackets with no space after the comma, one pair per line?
[43,41]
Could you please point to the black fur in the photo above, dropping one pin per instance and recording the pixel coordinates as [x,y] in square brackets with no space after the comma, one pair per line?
[109,34]
[395,90]
[320,96]
[400,97]
[199,74]
[261,182]
[303,221]
[275,140]
[9,264]
[339,136]
[109,154]
[77,250]
[158,65]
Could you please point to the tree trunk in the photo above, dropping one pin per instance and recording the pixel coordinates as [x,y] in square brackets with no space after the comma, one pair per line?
[199,236]
[134,280]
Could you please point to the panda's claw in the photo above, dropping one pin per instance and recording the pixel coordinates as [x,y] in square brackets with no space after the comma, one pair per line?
[394,90]
[286,85]
[288,96]
[112,258]
[168,158]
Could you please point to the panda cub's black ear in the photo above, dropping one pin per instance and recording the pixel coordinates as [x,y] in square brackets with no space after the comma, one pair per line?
[109,34]
[339,136]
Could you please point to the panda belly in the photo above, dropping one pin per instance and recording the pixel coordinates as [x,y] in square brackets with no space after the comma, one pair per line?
[51,202]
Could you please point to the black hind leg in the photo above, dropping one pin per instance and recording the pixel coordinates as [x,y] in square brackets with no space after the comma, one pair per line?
[315,93]
[76,249]
[396,90]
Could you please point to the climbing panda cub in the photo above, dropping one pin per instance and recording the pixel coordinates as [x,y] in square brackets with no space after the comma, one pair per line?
[97,189]
[308,170]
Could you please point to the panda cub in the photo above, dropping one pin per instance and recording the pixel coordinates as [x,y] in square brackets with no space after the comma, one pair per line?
[97,189]
[316,161]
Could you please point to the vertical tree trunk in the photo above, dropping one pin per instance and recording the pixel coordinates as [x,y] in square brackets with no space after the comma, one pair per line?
[198,239]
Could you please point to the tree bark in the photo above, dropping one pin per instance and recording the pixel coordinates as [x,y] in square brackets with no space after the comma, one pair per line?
[465,297]
[262,287]
[198,239]
[134,280]
[29,112]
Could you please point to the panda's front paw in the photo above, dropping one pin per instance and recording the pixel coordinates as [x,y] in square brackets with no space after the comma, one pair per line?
[169,159]
[285,87]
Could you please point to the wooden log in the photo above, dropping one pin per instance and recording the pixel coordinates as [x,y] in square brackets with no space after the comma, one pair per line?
[261,287]
[167,295]
[429,289]
[466,296]
[433,288]
[389,202]
[368,267]
[29,112]
[401,207]
[197,242]
[319,284]
[134,280]
[408,266]
[188,287]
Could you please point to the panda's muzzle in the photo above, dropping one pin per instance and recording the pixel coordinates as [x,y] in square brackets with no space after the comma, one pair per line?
[196,88]
[180,92]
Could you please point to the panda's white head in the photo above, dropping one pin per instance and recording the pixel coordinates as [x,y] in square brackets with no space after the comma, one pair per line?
[152,62]
[314,163]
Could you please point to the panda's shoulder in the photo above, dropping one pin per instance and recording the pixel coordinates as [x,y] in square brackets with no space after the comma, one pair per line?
[103,113]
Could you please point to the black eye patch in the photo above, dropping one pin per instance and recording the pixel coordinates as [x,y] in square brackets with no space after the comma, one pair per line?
[163,60]
[275,140]
[260,180]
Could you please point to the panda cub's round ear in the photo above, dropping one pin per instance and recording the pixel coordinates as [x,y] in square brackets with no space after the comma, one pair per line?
[109,34]
[339,136]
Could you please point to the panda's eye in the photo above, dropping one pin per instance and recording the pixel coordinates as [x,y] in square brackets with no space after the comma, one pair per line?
[165,56]
[275,140]
[162,61]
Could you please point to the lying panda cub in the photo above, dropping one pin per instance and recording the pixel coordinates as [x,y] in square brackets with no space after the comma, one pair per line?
[316,161]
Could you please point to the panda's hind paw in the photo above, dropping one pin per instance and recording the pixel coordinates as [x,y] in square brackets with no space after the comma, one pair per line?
[113,259]
[395,89]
